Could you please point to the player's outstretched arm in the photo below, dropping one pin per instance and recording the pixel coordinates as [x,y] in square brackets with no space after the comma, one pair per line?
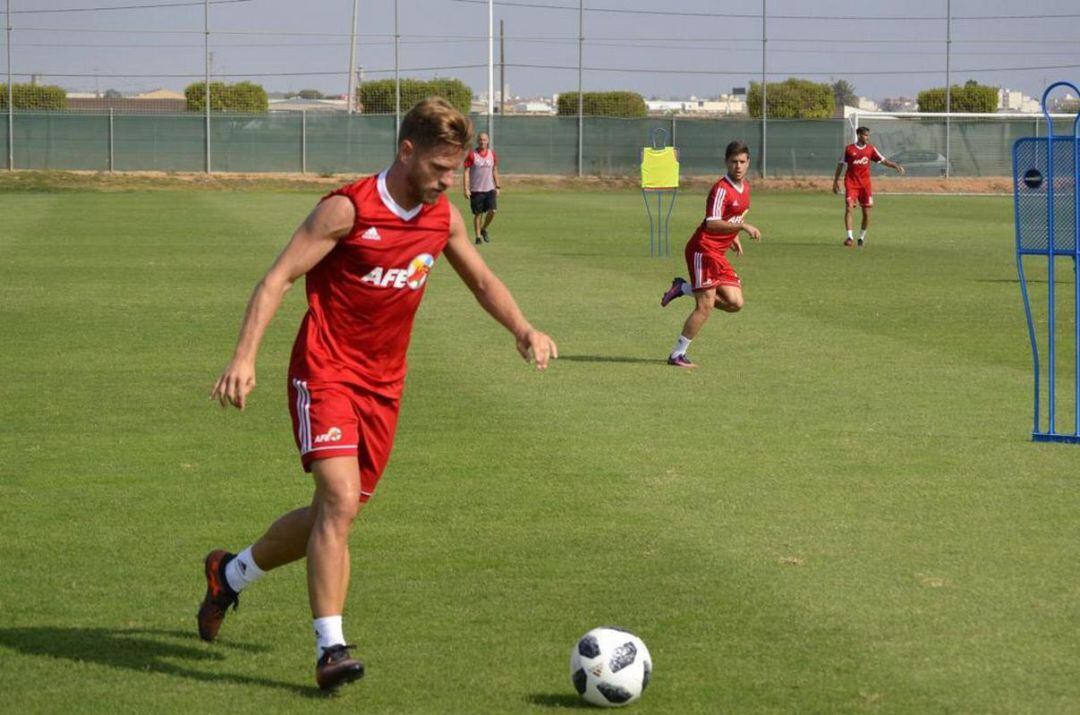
[894,166]
[494,296]
[317,235]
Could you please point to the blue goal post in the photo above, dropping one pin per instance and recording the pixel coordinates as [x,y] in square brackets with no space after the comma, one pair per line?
[1046,171]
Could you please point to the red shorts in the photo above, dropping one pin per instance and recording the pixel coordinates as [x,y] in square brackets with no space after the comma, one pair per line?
[334,419]
[709,269]
[858,195]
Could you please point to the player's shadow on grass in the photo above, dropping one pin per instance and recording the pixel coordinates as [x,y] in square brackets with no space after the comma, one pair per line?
[144,650]
[612,358]
[563,701]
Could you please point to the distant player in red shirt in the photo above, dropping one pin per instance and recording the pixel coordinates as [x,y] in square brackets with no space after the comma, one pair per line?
[857,158]
[482,186]
[713,282]
[366,250]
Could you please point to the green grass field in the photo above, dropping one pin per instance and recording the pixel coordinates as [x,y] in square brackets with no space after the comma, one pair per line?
[840,511]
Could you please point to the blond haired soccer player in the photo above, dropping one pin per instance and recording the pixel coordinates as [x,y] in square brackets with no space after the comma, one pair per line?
[713,282]
[366,250]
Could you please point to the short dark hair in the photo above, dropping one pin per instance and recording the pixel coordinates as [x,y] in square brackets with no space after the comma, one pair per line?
[862,130]
[432,122]
[735,148]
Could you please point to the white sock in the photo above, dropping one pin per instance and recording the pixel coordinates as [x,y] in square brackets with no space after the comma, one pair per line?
[687,289]
[327,633]
[242,571]
[682,346]
[862,235]
[849,234]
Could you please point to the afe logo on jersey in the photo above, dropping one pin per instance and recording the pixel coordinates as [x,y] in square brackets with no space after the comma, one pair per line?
[413,277]
[331,435]
[419,269]
[864,160]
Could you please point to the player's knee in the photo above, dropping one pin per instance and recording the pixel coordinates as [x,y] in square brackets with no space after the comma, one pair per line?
[337,509]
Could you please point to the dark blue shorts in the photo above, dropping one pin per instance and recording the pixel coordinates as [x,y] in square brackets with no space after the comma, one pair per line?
[482,201]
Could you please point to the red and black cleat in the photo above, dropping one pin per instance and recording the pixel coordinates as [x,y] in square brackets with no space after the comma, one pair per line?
[218,595]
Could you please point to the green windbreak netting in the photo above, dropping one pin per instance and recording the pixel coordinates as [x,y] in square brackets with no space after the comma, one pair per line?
[360,144]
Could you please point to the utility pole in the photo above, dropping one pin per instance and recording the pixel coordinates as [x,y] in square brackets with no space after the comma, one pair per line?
[948,86]
[764,93]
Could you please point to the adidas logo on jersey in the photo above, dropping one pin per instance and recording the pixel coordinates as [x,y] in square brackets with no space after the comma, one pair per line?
[371,235]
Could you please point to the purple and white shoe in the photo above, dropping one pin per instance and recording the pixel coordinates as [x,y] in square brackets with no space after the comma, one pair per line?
[673,292]
[680,361]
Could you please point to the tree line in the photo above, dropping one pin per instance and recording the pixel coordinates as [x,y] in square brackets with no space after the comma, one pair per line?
[791,99]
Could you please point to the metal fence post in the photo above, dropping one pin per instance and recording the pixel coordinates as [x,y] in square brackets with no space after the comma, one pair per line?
[580,96]
[206,68]
[303,141]
[764,94]
[10,103]
[112,142]
[672,130]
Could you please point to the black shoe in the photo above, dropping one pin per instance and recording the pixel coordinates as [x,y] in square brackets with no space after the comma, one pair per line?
[478,241]
[337,667]
[487,238]
[861,242]
[219,596]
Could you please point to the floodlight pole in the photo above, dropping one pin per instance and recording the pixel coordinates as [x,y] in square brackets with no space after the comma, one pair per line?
[351,95]
[502,70]
[491,70]
[10,96]
[948,86]
[764,93]
[580,96]
[206,69]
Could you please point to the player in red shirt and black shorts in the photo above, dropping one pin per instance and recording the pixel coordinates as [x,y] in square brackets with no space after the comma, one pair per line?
[713,282]
[857,189]
[367,250]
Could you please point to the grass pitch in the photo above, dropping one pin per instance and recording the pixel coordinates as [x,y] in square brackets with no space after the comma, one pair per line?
[840,511]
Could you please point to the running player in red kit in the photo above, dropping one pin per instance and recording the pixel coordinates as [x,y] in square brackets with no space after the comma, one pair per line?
[713,282]
[366,251]
[857,158]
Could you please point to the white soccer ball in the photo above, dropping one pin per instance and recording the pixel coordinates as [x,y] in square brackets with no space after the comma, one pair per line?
[610,667]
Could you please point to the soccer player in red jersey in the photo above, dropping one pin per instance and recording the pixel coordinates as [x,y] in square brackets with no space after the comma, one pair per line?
[366,250]
[857,158]
[482,186]
[713,282]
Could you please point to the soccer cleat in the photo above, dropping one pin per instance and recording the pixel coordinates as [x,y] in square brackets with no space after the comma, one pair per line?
[861,242]
[680,361]
[673,292]
[478,241]
[336,668]
[219,596]
[486,237]
[848,242]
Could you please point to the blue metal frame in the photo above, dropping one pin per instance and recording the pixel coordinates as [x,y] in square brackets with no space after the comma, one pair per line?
[659,227]
[1051,434]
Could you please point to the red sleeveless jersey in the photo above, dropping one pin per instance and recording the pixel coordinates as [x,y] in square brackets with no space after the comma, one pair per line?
[362,297]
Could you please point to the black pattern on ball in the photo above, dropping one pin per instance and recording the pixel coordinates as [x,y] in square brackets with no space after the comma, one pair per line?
[1033,178]
[623,656]
[588,647]
[614,693]
[647,675]
[579,677]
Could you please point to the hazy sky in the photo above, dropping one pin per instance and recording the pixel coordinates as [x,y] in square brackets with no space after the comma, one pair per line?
[714,45]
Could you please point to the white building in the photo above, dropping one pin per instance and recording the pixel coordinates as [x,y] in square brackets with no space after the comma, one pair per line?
[868,105]
[1011,100]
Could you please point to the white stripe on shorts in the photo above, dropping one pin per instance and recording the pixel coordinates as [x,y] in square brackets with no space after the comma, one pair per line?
[303,415]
